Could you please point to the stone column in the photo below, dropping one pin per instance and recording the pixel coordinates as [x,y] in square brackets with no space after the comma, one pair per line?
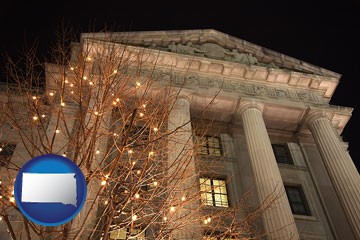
[341,169]
[278,219]
[182,171]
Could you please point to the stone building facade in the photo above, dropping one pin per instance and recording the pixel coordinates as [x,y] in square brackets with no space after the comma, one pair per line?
[271,125]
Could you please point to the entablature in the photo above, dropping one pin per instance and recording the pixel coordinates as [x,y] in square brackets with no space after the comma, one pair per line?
[231,73]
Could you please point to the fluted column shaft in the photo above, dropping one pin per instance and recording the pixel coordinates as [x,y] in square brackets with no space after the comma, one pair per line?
[182,171]
[278,219]
[341,169]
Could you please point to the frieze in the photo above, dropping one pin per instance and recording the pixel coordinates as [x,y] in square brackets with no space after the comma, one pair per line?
[248,88]
[193,81]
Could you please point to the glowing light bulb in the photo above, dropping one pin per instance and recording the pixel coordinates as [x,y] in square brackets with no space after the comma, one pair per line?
[91,83]
[183,198]
[0,151]
[57,130]
[138,84]
[72,68]
[144,105]
[103,182]
[71,85]
[115,71]
[43,115]
[138,172]
[141,114]
[51,94]
[97,151]
[209,219]
[134,217]
[66,81]
[34,97]
[165,219]
[155,183]
[106,202]
[63,104]
[151,154]
[64,154]
[72,92]
[172,209]
[88,58]
[130,151]
[96,113]
[12,199]
[35,118]
[156,129]
[205,221]
[85,77]
[137,195]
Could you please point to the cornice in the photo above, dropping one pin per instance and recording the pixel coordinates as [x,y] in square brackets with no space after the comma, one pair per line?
[324,85]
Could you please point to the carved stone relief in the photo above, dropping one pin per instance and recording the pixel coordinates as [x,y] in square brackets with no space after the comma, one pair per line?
[215,51]
[192,81]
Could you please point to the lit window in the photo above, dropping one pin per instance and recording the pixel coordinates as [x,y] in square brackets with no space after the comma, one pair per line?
[282,153]
[217,236]
[297,200]
[210,145]
[127,233]
[6,152]
[213,192]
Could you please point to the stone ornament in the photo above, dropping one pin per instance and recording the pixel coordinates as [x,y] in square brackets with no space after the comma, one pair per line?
[214,51]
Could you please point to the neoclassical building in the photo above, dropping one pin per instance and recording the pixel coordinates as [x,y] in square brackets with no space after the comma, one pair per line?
[270,123]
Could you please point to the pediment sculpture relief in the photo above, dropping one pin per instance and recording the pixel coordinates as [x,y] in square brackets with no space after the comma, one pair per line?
[215,51]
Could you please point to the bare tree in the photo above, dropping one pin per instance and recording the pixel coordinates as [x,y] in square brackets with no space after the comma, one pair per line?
[106,106]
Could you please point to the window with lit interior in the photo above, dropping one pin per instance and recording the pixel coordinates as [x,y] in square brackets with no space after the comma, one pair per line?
[127,233]
[213,192]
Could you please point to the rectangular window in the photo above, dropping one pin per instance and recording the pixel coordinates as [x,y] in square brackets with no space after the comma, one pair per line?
[297,200]
[127,233]
[210,145]
[213,192]
[137,135]
[217,237]
[6,152]
[282,154]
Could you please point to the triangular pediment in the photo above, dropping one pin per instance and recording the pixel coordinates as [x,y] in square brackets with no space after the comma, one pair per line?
[212,44]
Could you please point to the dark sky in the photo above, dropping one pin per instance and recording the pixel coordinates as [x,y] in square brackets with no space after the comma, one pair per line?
[323,33]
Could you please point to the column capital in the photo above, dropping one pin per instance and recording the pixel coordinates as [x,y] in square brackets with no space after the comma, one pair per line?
[315,115]
[250,103]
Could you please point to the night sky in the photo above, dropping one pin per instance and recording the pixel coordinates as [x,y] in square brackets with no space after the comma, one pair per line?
[322,33]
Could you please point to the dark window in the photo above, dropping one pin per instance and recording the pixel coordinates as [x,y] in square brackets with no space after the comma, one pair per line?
[138,135]
[213,192]
[282,153]
[6,152]
[210,145]
[297,200]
